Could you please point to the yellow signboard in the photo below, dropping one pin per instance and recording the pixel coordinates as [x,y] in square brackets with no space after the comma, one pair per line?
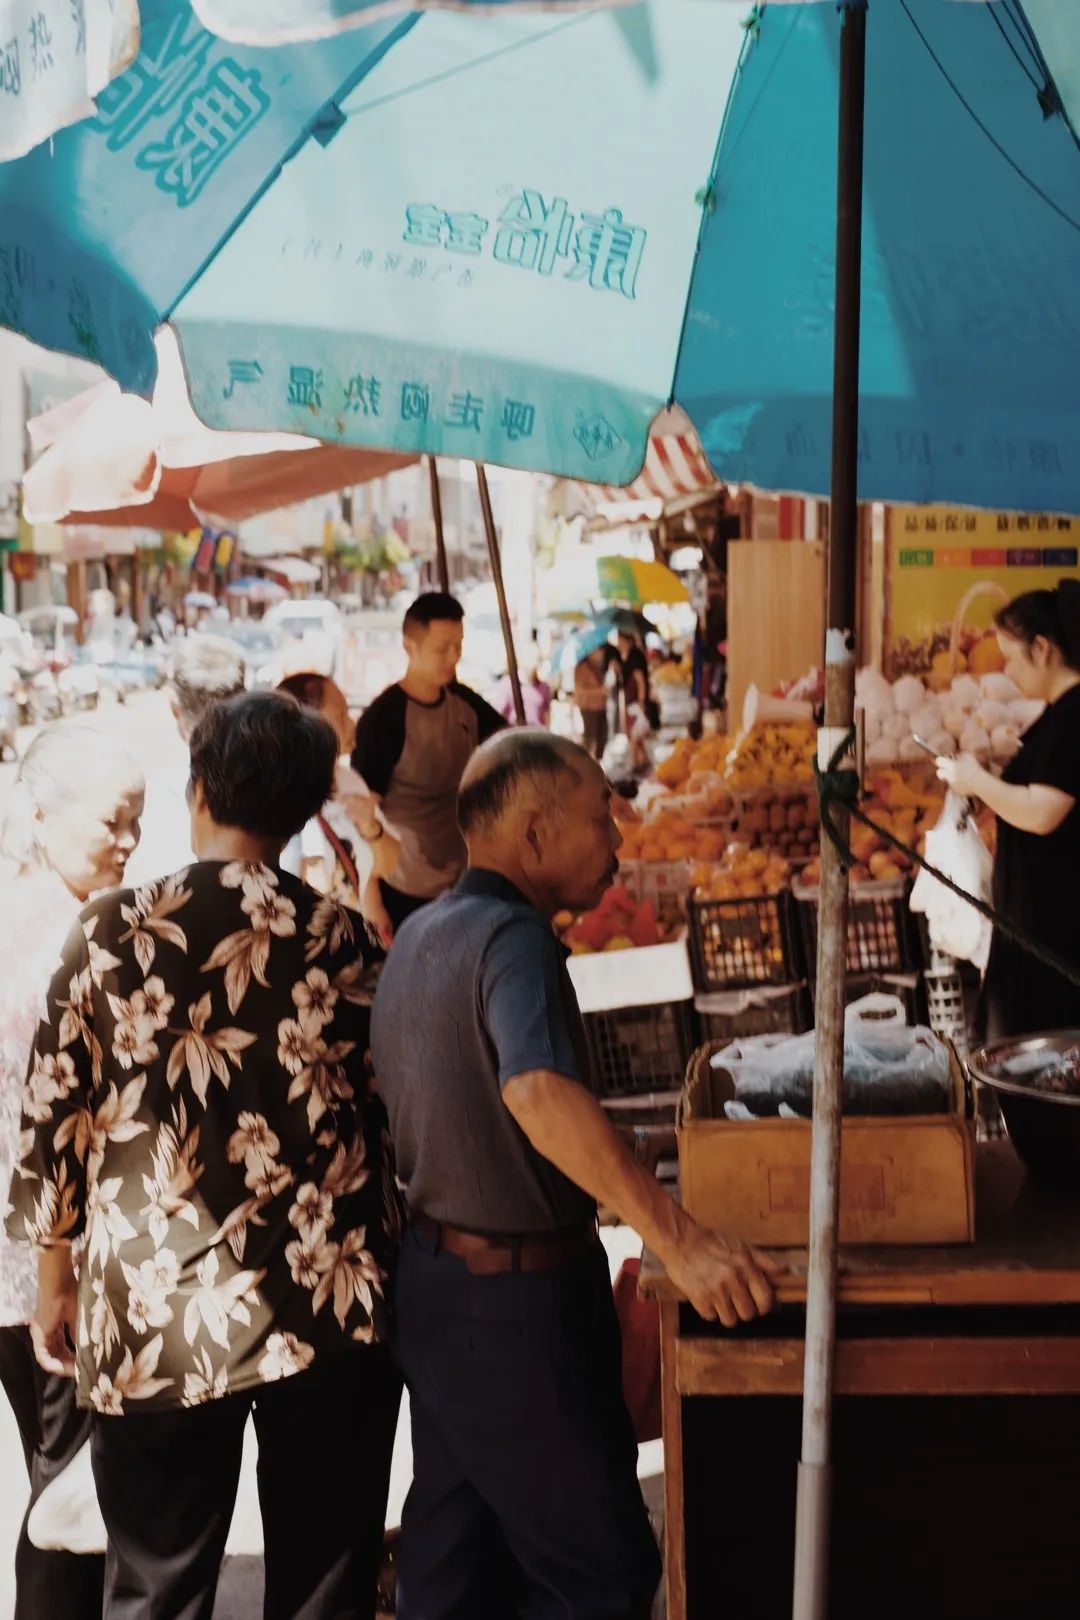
[937,553]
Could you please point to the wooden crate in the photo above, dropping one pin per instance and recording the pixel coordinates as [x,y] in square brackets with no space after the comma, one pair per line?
[907,1179]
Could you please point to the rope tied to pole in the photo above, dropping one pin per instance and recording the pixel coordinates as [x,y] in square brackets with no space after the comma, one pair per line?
[840,785]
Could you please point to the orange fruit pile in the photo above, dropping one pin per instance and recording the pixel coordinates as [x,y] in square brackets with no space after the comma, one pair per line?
[742,874]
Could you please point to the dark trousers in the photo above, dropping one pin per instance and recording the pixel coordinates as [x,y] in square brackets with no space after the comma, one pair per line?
[595,728]
[167,1486]
[521,1440]
[52,1428]
[399,907]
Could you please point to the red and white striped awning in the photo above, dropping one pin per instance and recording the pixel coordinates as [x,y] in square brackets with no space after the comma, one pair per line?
[675,465]
[675,470]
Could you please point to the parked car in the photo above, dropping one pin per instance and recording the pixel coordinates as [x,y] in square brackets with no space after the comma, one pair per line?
[261,645]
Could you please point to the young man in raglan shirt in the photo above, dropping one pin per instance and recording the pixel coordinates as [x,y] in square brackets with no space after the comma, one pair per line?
[412,746]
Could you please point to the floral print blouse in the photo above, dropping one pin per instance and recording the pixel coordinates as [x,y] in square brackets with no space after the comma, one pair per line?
[197,1106]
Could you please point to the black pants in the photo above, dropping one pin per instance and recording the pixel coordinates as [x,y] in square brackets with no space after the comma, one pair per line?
[399,907]
[521,1439]
[52,1428]
[167,1486]
[595,728]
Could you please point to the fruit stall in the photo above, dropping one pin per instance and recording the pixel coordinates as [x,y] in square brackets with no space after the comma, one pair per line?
[719,890]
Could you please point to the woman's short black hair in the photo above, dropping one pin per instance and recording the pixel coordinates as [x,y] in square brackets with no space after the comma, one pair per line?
[266,763]
[1054,615]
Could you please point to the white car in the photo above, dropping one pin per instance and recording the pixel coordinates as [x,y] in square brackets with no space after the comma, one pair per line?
[316,625]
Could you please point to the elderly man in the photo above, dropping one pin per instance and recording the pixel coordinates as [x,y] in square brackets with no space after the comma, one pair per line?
[506,1328]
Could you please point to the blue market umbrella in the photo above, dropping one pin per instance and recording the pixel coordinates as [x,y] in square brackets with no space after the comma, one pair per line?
[400,235]
[55,57]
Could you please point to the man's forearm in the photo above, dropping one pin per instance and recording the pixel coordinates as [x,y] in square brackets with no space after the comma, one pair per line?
[567,1125]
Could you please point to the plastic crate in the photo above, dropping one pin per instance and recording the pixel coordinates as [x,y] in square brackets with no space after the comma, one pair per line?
[729,1014]
[735,944]
[882,934]
[665,883]
[640,1049]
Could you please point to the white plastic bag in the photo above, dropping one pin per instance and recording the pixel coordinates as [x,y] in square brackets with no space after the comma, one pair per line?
[888,1069]
[955,848]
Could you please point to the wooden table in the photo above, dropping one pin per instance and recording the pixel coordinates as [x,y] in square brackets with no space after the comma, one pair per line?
[994,1478]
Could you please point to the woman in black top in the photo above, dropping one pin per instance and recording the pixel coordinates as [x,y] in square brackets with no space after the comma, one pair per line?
[1037,871]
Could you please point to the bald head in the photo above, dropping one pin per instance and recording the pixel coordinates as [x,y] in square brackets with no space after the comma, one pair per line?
[537,809]
[514,771]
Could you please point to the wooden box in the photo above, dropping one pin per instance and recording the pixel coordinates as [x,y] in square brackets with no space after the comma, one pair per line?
[906,1179]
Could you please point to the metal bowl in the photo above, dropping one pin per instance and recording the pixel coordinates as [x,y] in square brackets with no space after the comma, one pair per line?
[1044,1126]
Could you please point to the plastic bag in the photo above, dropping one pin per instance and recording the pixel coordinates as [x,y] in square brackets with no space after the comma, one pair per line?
[955,848]
[888,1069]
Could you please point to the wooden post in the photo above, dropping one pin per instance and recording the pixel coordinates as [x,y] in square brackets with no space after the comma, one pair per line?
[440,534]
[813,1505]
[500,591]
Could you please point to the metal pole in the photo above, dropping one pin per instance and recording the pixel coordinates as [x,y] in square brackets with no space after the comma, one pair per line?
[500,591]
[440,534]
[812,1520]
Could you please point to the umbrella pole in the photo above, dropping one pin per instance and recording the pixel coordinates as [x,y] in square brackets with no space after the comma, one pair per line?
[500,590]
[440,533]
[812,1521]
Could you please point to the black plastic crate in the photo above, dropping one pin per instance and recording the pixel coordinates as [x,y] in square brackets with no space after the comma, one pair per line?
[640,1049]
[728,1016]
[735,944]
[882,934]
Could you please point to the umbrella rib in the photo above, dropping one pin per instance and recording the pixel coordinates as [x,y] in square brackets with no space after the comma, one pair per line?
[714,168]
[347,84]
[1003,31]
[991,137]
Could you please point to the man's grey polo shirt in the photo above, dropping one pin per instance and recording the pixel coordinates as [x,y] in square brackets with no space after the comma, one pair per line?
[474,992]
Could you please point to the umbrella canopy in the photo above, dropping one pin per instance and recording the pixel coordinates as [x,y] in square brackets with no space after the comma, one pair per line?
[625,579]
[55,57]
[592,266]
[112,458]
[582,643]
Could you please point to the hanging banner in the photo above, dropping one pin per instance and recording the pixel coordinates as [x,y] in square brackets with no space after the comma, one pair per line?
[937,553]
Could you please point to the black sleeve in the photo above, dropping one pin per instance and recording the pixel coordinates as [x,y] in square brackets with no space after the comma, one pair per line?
[380,739]
[1051,755]
[488,720]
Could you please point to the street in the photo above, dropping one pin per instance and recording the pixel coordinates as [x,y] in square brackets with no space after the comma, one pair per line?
[145,726]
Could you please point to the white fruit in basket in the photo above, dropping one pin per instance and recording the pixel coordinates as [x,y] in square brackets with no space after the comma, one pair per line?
[953,718]
[927,720]
[974,740]
[989,714]
[998,688]
[966,692]
[896,727]
[909,694]
[909,749]
[881,753]
[942,742]
[872,689]
[1004,741]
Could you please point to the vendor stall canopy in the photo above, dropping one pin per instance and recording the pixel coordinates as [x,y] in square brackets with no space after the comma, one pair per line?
[516,236]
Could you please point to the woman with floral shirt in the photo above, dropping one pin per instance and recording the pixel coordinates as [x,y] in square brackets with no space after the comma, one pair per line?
[197,1107]
[72,821]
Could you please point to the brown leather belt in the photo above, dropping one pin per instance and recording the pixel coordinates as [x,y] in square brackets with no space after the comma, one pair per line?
[492,1256]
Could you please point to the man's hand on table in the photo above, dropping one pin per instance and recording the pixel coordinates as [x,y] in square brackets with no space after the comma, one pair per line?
[723,1280]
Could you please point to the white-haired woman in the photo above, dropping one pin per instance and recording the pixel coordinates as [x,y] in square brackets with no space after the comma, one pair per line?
[72,823]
